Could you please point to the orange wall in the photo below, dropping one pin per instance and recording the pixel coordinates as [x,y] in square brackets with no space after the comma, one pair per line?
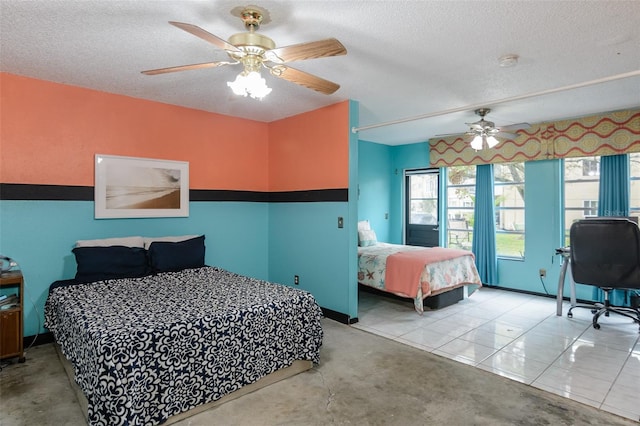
[50,132]
[310,150]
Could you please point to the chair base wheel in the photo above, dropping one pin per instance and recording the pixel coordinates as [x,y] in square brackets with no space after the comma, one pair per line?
[596,326]
[570,315]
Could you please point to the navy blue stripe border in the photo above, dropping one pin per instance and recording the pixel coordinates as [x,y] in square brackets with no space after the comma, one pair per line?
[17,191]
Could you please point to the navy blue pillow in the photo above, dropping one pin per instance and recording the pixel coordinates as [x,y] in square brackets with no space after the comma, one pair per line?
[104,263]
[166,256]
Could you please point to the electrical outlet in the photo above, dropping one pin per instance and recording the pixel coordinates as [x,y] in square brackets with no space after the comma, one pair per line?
[543,273]
[296,279]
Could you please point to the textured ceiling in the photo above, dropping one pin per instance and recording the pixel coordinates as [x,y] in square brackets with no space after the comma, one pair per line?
[405,58]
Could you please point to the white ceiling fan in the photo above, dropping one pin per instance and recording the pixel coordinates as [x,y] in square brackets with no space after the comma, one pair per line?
[485,132]
[255,51]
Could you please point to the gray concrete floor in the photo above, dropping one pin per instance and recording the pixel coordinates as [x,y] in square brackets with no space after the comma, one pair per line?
[362,379]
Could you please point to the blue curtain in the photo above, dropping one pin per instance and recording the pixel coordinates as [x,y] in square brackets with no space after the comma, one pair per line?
[484,226]
[613,196]
[613,200]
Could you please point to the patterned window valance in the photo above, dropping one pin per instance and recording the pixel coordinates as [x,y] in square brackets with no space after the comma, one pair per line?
[604,134]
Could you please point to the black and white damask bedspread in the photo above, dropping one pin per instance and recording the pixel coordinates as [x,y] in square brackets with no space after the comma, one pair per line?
[145,349]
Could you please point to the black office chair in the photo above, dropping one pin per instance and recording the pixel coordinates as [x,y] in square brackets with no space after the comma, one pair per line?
[606,253]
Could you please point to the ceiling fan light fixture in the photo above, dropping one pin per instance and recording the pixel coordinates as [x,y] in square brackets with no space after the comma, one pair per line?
[481,141]
[476,143]
[251,84]
[492,141]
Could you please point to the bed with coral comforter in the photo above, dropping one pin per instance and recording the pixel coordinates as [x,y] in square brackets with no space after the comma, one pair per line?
[416,272]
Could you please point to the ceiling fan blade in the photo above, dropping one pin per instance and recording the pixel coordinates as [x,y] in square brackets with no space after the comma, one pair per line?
[446,135]
[186,67]
[506,135]
[302,51]
[304,79]
[475,126]
[205,35]
[513,127]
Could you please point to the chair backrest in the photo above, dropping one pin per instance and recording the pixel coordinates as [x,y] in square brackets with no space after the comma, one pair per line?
[605,253]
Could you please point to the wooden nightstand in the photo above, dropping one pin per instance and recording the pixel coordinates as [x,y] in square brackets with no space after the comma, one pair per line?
[11,321]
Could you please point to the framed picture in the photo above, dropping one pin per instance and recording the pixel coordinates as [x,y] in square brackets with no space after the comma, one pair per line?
[140,187]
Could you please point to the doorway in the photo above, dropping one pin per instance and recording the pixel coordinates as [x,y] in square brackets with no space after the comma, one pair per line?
[422,206]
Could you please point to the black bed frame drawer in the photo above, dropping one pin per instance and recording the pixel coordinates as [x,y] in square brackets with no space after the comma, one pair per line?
[445,299]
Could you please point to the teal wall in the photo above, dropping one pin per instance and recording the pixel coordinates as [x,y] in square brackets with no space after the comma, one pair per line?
[403,157]
[352,232]
[40,235]
[543,217]
[267,241]
[374,196]
[543,231]
[381,185]
[304,240]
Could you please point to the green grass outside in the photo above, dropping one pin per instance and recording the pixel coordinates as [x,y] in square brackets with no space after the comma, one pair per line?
[511,245]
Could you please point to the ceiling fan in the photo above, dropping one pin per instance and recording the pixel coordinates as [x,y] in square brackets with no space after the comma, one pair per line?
[485,132]
[254,51]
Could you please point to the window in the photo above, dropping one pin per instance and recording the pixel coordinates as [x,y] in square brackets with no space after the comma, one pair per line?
[590,208]
[509,206]
[590,167]
[510,209]
[581,185]
[423,198]
[580,190]
[461,189]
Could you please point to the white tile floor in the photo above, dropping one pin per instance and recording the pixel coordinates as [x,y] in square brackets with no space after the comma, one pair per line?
[520,337]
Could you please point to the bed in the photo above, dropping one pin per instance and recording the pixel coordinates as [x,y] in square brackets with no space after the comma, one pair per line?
[146,348]
[414,272]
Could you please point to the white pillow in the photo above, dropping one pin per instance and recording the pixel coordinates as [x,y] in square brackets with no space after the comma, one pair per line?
[171,239]
[106,242]
[364,225]
[367,238]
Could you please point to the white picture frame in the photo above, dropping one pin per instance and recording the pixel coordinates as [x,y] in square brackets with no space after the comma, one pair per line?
[130,187]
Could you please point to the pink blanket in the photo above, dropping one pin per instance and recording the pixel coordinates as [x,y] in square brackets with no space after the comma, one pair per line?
[402,275]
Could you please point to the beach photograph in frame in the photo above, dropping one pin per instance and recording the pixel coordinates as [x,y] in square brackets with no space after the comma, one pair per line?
[127,187]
